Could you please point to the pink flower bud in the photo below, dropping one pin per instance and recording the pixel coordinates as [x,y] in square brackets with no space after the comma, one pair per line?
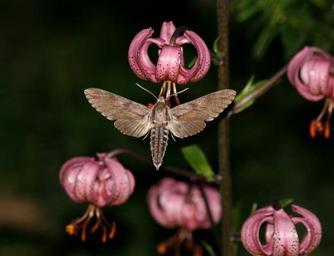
[100,182]
[281,237]
[170,64]
[311,71]
[177,204]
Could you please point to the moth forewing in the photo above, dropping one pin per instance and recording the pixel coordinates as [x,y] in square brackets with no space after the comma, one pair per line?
[131,118]
[189,118]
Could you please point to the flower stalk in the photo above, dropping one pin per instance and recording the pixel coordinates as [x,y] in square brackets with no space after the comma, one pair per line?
[229,248]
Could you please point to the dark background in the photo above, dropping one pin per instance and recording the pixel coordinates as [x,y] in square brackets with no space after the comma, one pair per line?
[50,51]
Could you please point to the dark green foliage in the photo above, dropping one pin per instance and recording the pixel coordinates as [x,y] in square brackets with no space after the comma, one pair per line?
[296,23]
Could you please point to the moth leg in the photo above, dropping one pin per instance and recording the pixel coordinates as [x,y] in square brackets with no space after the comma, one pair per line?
[165,89]
[168,89]
[177,100]
[145,136]
[171,134]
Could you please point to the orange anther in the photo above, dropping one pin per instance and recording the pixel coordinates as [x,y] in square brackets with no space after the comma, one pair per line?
[70,229]
[112,232]
[327,132]
[198,251]
[161,248]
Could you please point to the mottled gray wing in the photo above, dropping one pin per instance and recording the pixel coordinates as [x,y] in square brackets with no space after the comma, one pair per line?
[130,118]
[189,118]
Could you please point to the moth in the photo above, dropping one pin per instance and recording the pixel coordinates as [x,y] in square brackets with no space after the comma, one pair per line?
[137,120]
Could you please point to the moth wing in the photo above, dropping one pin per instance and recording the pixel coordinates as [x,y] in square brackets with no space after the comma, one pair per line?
[131,118]
[189,118]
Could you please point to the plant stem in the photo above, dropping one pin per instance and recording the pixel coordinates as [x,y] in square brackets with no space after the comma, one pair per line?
[229,248]
[208,210]
[259,91]
[194,177]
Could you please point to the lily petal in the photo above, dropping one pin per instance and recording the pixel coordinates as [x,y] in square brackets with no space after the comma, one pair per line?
[313,228]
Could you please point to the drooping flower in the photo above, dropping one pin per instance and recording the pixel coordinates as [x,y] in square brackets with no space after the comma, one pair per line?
[100,182]
[311,71]
[170,67]
[175,204]
[281,237]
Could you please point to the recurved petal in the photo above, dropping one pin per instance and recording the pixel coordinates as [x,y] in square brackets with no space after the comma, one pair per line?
[313,228]
[300,76]
[203,61]
[134,51]
[249,236]
[68,181]
[167,30]
[168,63]
[145,63]
[285,237]
[315,74]
[156,208]
[123,184]
[85,180]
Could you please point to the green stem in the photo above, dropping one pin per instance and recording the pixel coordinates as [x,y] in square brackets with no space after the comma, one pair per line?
[259,91]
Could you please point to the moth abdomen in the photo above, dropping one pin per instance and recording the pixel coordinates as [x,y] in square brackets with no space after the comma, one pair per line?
[159,141]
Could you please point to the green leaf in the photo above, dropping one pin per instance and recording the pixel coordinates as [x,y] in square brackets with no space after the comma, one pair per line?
[248,89]
[254,208]
[237,215]
[285,202]
[192,62]
[219,55]
[198,161]
[208,248]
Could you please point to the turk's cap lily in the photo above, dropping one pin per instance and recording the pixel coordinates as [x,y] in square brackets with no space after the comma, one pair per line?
[99,181]
[311,72]
[102,181]
[177,204]
[281,237]
[170,64]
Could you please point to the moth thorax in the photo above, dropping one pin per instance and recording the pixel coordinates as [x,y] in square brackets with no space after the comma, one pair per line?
[160,113]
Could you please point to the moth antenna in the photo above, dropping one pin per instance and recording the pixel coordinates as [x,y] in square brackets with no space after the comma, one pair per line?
[146,90]
[177,93]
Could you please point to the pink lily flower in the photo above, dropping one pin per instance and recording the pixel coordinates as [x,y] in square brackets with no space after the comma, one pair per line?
[311,71]
[100,182]
[281,237]
[170,67]
[175,204]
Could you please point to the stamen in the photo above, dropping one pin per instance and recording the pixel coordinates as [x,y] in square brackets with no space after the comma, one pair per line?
[198,250]
[162,248]
[112,231]
[83,223]
[318,126]
[176,97]
[182,239]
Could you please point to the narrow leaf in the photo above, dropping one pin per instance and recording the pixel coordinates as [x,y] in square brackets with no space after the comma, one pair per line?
[285,202]
[208,248]
[254,208]
[198,161]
